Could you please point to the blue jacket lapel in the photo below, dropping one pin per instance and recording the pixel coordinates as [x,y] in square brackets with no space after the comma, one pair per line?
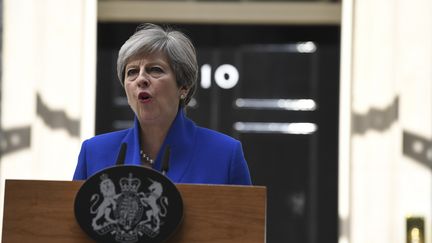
[180,138]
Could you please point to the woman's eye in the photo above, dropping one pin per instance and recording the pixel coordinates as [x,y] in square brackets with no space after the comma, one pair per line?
[156,70]
[132,72]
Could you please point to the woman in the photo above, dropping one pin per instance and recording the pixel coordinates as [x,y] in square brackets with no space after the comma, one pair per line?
[158,70]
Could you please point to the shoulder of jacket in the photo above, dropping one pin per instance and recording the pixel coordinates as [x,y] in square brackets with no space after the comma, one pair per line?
[215,136]
[109,137]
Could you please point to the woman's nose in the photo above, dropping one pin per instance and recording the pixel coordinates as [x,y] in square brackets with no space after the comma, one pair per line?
[143,81]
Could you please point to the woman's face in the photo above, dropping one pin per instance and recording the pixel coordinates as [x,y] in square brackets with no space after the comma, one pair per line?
[151,88]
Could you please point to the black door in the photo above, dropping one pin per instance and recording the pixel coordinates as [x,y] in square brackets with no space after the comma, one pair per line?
[276,89]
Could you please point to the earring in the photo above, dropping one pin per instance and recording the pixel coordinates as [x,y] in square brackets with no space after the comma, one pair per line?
[183,96]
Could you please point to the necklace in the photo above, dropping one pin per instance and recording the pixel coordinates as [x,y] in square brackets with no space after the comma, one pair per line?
[145,159]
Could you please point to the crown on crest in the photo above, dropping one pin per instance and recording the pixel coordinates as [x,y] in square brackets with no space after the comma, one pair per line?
[129,184]
[104,177]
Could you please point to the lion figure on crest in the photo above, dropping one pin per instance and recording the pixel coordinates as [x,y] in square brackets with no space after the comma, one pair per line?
[108,204]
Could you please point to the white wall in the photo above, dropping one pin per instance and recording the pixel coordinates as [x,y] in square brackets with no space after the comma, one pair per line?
[48,86]
[386,86]
[414,73]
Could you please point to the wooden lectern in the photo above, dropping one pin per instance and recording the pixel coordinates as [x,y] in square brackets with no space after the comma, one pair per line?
[42,211]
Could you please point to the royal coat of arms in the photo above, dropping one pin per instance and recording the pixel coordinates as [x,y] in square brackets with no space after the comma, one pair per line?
[129,204]
[130,213]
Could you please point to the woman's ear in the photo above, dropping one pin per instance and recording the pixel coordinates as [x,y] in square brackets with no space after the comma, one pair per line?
[184,90]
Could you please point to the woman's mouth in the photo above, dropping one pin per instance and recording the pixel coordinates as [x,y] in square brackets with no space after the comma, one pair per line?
[144,97]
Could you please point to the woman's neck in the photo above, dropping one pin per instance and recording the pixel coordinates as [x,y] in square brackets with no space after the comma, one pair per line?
[153,136]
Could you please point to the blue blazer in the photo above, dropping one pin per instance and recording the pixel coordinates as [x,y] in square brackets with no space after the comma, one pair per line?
[197,155]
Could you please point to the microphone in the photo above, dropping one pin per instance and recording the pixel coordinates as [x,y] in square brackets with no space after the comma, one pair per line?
[165,161]
[122,154]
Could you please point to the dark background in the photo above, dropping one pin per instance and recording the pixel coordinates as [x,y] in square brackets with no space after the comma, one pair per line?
[299,170]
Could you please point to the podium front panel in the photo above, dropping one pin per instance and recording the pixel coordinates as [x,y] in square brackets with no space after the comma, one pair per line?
[42,211]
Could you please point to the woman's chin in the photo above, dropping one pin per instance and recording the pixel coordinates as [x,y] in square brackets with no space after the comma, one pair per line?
[146,118]
[156,116]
